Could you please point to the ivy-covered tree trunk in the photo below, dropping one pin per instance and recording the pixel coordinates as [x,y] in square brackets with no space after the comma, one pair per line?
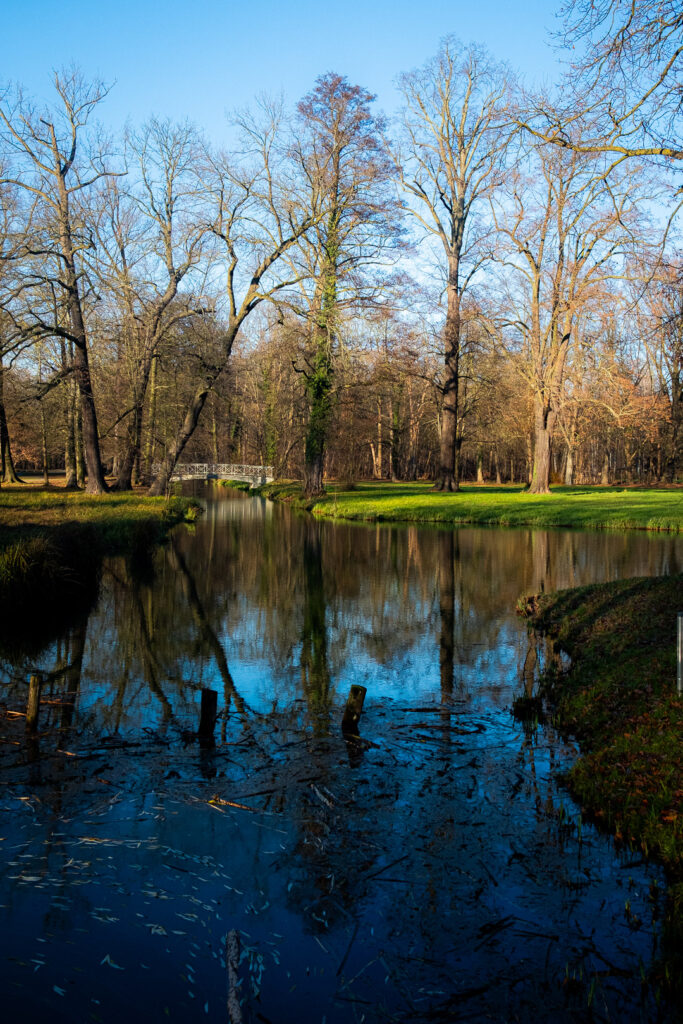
[318,388]
[319,378]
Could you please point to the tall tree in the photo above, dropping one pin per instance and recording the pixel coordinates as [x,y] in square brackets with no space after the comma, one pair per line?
[14,226]
[259,207]
[51,167]
[149,240]
[450,162]
[343,150]
[565,230]
[662,335]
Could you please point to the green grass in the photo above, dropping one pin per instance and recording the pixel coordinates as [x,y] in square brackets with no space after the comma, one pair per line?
[619,698]
[52,541]
[26,509]
[236,485]
[610,508]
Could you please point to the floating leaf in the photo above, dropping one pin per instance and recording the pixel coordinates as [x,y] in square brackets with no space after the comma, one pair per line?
[106,959]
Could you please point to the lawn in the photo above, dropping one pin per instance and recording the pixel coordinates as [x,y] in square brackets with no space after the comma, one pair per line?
[613,508]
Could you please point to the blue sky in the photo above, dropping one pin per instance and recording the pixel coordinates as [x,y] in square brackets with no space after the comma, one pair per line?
[196,61]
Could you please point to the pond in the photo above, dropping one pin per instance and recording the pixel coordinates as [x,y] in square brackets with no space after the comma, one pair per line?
[431,868]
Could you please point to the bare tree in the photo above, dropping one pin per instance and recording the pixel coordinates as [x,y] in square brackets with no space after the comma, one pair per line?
[624,90]
[49,165]
[661,321]
[565,229]
[343,151]
[450,162]
[14,225]
[259,208]
[149,240]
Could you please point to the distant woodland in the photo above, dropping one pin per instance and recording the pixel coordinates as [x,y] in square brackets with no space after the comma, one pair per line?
[487,286]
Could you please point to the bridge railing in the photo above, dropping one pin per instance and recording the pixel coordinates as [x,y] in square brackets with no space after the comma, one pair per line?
[221,471]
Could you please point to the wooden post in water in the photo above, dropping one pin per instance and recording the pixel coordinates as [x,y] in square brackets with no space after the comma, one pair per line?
[680,654]
[33,704]
[354,708]
[232,960]
[207,720]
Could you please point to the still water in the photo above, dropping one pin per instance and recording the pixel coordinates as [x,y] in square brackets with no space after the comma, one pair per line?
[431,869]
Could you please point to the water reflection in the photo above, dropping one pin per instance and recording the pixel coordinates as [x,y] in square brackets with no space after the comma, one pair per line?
[430,871]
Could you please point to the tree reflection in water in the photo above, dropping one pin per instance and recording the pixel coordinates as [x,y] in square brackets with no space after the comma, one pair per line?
[441,874]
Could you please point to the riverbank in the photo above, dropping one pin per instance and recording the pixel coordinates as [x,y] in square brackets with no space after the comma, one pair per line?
[601,508]
[52,542]
[619,698]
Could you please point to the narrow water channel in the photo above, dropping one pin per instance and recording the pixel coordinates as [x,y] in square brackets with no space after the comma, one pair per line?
[431,869]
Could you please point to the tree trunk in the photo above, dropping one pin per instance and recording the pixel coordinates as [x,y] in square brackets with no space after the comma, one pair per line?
[214,431]
[480,467]
[162,480]
[126,467]
[394,434]
[91,444]
[569,467]
[676,460]
[380,460]
[80,458]
[604,478]
[151,424]
[69,398]
[543,432]
[8,474]
[447,479]
[319,380]
[43,430]
[318,387]
[314,476]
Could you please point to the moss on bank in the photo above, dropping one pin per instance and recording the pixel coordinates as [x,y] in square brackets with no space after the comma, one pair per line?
[610,508]
[619,698]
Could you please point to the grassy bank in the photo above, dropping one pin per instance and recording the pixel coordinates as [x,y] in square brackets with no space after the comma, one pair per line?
[236,485]
[611,508]
[27,509]
[619,698]
[52,542]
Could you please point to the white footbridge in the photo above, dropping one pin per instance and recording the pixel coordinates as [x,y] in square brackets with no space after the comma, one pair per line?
[255,475]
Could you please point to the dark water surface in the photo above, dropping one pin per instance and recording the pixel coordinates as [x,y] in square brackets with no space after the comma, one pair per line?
[432,870]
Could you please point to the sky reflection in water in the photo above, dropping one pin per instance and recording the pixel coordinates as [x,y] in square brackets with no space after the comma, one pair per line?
[431,870]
